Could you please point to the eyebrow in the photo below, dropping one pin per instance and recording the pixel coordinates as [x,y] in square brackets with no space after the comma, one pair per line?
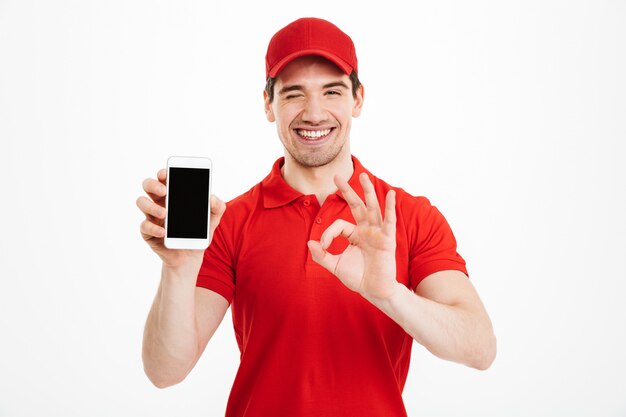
[289,88]
[296,87]
[336,84]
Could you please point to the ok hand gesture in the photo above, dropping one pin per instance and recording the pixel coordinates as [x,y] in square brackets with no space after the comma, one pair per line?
[368,264]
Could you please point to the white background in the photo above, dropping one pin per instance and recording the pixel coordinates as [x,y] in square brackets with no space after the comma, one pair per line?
[509,116]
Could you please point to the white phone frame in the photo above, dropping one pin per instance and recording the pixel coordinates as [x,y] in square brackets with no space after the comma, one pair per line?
[188,162]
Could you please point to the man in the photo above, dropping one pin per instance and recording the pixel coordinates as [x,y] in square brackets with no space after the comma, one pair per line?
[330,272]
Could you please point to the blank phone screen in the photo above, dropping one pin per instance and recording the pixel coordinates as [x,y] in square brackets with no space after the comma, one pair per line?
[188,203]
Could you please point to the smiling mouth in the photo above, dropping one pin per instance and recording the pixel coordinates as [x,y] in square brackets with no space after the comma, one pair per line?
[313,134]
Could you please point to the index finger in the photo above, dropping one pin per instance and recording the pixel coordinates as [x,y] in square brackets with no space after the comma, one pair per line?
[354,201]
[154,188]
[162,176]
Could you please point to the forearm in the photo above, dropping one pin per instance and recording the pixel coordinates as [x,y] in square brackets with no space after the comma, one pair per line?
[170,343]
[451,332]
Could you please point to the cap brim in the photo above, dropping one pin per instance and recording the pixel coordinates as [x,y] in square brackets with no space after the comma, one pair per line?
[343,65]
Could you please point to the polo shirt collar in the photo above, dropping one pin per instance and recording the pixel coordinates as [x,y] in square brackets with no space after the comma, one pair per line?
[277,193]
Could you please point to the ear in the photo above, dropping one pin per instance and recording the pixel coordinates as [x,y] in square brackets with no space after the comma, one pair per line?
[358,101]
[269,114]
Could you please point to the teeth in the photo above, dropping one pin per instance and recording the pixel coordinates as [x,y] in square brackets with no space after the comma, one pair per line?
[314,134]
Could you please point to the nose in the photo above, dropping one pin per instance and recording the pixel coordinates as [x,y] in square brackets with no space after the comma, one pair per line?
[313,111]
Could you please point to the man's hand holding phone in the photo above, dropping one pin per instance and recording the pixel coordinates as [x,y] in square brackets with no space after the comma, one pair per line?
[153,228]
[182,317]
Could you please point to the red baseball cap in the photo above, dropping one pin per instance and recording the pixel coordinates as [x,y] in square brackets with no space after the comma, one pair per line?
[310,36]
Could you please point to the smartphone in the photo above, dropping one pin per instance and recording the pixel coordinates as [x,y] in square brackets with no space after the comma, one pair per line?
[187,202]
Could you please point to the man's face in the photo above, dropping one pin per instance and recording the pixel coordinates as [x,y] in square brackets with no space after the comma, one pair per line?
[313,108]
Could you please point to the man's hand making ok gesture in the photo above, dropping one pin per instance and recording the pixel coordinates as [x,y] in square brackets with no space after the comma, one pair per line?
[368,264]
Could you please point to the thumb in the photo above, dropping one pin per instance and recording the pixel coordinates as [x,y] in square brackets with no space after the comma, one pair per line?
[319,255]
[218,207]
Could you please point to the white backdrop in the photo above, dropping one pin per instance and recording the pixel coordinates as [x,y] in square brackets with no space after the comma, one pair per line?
[509,116]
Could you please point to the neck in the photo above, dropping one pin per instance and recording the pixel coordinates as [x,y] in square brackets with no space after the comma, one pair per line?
[317,180]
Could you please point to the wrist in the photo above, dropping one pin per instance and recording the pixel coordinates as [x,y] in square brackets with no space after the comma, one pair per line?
[396,291]
[183,271]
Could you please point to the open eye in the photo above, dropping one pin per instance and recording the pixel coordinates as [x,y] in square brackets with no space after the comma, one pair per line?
[333,92]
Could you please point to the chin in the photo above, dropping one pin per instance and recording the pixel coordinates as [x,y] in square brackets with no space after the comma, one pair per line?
[316,159]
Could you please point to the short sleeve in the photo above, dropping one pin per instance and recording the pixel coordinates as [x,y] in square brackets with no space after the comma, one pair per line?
[432,245]
[217,270]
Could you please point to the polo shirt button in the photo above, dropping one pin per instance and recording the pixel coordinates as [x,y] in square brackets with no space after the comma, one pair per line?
[306,203]
[318,220]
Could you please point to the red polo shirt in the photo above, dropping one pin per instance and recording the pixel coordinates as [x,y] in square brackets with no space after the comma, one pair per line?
[310,347]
